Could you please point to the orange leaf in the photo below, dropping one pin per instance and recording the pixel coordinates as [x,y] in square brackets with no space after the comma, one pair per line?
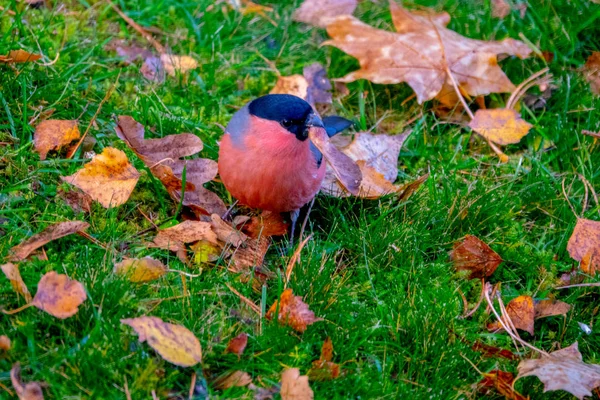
[321,12]
[174,343]
[584,245]
[500,125]
[237,345]
[266,224]
[591,70]
[140,270]
[292,311]
[502,382]
[323,369]
[59,295]
[14,276]
[521,312]
[294,386]
[250,255]
[475,256]
[4,343]
[175,237]
[25,391]
[108,178]
[19,56]
[52,134]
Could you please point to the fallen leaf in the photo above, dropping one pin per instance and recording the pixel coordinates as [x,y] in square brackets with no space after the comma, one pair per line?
[563,370]
[52,134]
[294,386]
[250,255]
[231,379]
[266,224]
[174,64]
[53,232]
[548,308]
[108,178]
[19,56]
[174,343]
[296,85]
[591,71]
[500,125]
[321,12]
[237,345]
[175,237]
[584,245]
[502,382]
[227,233]
[59,295]
[4,343]
[521,312]
[313,86]
[248,7]
[140,270]
[491,351]
[345,169]
[77,200]
[292,311]
[501,9]
[163,157]
[475,256]
[14,276]
[153,70]
[422,54]
[25,391]
[324,369]
[205,252]
[129,52]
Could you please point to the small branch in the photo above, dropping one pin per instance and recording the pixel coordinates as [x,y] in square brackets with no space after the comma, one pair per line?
[590,133]
[246,300]
[460,96]
[468,314]
[526,85]
[16,310]
[295,258]
[579,285]
[184,273]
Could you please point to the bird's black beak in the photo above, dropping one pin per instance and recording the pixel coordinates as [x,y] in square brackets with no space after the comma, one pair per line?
[312,121]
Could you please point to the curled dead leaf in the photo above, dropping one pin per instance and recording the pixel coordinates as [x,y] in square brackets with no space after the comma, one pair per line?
[292,311]
[174,343]
[521,312]
[231,379]
[551,307]
[52,134]
[474,255]
[294,386]
[14,276]
[25,391]
[237,345]
[59,295]
[140,269]
[500,125]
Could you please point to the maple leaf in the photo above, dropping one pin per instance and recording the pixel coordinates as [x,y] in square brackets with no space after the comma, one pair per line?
[294,386]
[174,343]
[14,276]
[584,245]
[140,270]
[521,312]
[292,311]
[322,12]
[563,370]
[237,345]
[25,391]
[52,134]
[59,295]
[474,255]
[423,53]
[324,369]
[500,125]
[503,382]
[108,178]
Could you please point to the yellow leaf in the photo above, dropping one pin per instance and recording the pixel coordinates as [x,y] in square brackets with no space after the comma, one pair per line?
[500,125]
[140,270]
[14,276]
[174,64]
[52,134]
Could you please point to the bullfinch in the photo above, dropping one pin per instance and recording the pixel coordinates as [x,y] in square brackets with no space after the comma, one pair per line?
[266,160]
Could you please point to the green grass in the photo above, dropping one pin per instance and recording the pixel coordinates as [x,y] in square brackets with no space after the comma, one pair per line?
[377,272]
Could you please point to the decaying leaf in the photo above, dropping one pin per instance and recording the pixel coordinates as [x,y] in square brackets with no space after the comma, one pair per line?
[174,343]
[4,343]
[231,379]
[296,85]
[501,9]
[591,71]
[491,351]
[237,345]
[500,125]
[346,171]
[14,276]
[584,245]
[25,391]
[52,134]
[563,370]
[502,382]
[205,252]
[422,53]
[59,295]
[153,70]
[321,12]
[174,64]
[266,224]
[129,52]
[292,311]
[175,237]
[521,312]
[313,86]
[473,255]
[163,157]
[18,57]
[77,200]
[324,369]
[294,386]
[227,233]
[250,255]
[140,270]
[548,308]
[53,232]
[108,178]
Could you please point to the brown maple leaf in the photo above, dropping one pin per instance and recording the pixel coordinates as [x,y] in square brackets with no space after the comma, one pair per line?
[423,53]
[322,12]
[473,255]
[292,311]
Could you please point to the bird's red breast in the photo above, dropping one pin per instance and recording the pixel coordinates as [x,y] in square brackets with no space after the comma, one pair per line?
[269,168]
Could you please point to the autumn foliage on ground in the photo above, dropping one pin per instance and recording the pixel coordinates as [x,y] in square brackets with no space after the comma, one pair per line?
[453,250]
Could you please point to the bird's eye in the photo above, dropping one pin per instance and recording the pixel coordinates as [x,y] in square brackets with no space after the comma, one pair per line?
[287,123]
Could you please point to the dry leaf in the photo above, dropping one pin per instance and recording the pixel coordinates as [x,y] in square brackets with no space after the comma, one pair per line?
[129,53]
[4,343]
[53,232]
[174,64]
[140,270]
[475,256]
[231,379]
[491,351]
[153,69]
[292,311]
[59,295]
[313,86]
[296,85]
[346,171]
[584,245]
[205,252]
[501,9]
[521,312]
[227,233]
[76,200]
[250,255]
[25,391]
[266,224]
[14,276]
[294,386]
[422,53]
[52,134]
[174,343]
[109,178]
[502,382]
[19,56]
[237,345]
[500,125]
[163,157]
[324,369]
[548,308]
[321,12]
[563,370]
[175,237]
[591,70]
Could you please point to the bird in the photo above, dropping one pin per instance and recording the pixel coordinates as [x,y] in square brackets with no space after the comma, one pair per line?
[266,159]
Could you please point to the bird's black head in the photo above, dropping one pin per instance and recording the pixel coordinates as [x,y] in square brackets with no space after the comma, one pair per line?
[294,114]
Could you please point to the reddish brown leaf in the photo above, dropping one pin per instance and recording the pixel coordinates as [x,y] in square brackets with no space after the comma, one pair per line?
[250,255]
[591,71]
[231,379]
[491,351]
[475,256]
[59,295]
[227,233]
[502,382]
[14,276]
[548,308]
[266,224]
[77,200]
[4,343]
[25,391]
[521,312]
[292,311]
[324,369]
[52,134]
[237,345]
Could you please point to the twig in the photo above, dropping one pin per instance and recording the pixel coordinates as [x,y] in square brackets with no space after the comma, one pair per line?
[526,85]
[295,258]
[154,396]
[579,285]
[127,394]
[92,239]
[184,273]
[468,314]
[590,133]
[192,386]
[567,198]
[11,13]
[460,96]
[306,218]
[16,310]
[159,47]
[246,300]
